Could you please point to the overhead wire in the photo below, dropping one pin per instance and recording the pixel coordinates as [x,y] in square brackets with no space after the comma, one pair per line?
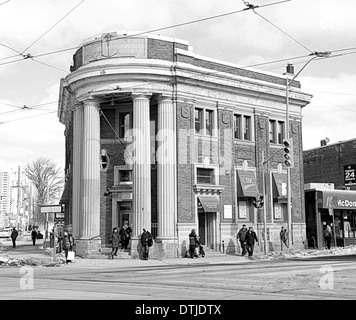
[4,2]
[28,47]
[289,36]
[168,27]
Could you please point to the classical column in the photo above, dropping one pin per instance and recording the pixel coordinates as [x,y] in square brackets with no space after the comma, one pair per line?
[142,165]
[166,166]
[91,170]
[77,169]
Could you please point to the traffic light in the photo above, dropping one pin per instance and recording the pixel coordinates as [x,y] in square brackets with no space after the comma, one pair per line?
[288,153]
[258,202]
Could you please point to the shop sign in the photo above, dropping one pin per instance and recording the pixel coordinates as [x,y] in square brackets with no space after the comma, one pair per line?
[349,173]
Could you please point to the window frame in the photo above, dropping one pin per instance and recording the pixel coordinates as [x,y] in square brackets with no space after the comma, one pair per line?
[278,132]
[206,122]
[244,130]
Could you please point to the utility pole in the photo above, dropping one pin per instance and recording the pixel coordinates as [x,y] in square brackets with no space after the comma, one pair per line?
[18,197]
[290,71]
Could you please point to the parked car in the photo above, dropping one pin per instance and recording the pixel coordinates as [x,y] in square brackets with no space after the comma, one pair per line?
[5,233]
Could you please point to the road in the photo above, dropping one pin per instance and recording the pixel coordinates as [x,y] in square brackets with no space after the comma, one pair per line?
[327,277]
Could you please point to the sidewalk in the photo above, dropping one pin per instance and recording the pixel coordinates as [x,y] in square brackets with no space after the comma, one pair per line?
[25,250]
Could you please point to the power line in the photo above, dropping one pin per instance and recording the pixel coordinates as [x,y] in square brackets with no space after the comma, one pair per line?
[4,2]
[283,31]
[38,115]
[163,28]
[52,27]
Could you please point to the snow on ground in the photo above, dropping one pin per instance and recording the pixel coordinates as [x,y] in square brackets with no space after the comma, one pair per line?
[299,253]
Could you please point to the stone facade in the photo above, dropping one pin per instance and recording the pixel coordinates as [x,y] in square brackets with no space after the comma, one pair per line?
[177,129]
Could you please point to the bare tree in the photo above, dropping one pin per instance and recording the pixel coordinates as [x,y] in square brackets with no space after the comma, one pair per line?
[47,177]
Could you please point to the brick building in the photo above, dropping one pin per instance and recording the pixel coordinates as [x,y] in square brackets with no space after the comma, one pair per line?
[330,192]
[164,139]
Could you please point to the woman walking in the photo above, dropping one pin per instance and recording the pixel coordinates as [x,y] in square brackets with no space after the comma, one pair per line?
[114,241]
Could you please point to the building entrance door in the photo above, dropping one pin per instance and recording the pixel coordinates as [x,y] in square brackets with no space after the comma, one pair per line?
[124,213]
[206,227]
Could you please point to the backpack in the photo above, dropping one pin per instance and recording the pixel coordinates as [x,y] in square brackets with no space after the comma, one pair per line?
[150,241]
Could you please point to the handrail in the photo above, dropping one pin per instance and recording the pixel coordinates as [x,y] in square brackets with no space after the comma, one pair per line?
[96,236]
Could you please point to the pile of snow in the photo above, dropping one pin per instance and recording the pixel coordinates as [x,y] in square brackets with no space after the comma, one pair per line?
[301,254]
[31,261]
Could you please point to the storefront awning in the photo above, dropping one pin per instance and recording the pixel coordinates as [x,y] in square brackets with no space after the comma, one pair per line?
[247,186]
[66,193]
[337,199]
[280,185]
[210,204]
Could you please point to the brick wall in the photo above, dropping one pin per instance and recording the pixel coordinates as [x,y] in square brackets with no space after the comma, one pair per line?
[326,164]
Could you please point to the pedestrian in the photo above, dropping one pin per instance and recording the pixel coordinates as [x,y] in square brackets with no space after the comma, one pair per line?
[146,241]
[114,241]
[327,235]
[251,239]
[193,244]
[67,245]
[201,249]
[34,236]
[283,235]
[128,235]
[13,237]
[241,236]
[123,237]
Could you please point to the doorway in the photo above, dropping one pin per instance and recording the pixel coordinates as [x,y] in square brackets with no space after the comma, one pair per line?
[206,228]
[124,209]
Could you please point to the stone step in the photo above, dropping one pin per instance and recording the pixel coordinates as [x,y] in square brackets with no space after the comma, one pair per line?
[105,253]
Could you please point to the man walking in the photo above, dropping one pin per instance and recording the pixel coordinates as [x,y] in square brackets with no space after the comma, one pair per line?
[251,238]
[34,236]
[13,236]
[146,241]
[284,237]
[241,236]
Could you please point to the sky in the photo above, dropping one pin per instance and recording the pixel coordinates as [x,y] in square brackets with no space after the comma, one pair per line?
[276,33]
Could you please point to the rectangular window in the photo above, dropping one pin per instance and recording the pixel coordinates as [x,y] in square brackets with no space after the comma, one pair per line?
[247,128]
[125,175]
[280,132]
[124,125]
[209,122]
[125,205]
[205,176]
[243,127]
[272,131]
[198,120]
[238,128]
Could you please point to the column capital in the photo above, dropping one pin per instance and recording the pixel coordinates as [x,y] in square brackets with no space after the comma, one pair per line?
[164,98]
[141,96]
[89,100]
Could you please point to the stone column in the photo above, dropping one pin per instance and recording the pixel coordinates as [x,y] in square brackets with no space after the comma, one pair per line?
[142,165]
[166,166]
[77,169]
[90,222]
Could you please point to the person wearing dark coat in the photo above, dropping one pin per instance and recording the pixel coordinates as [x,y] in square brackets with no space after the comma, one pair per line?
[115,242]
[251,239]
[193,242]
[34,236]
[128,235]
[146,239]
[67,245]
[241,236]
[123,237]
[13,237]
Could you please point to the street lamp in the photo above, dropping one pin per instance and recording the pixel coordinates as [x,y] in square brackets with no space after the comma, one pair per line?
[314,55]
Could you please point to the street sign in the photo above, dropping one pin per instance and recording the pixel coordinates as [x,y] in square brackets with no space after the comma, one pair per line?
[349,174]
[51,208]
